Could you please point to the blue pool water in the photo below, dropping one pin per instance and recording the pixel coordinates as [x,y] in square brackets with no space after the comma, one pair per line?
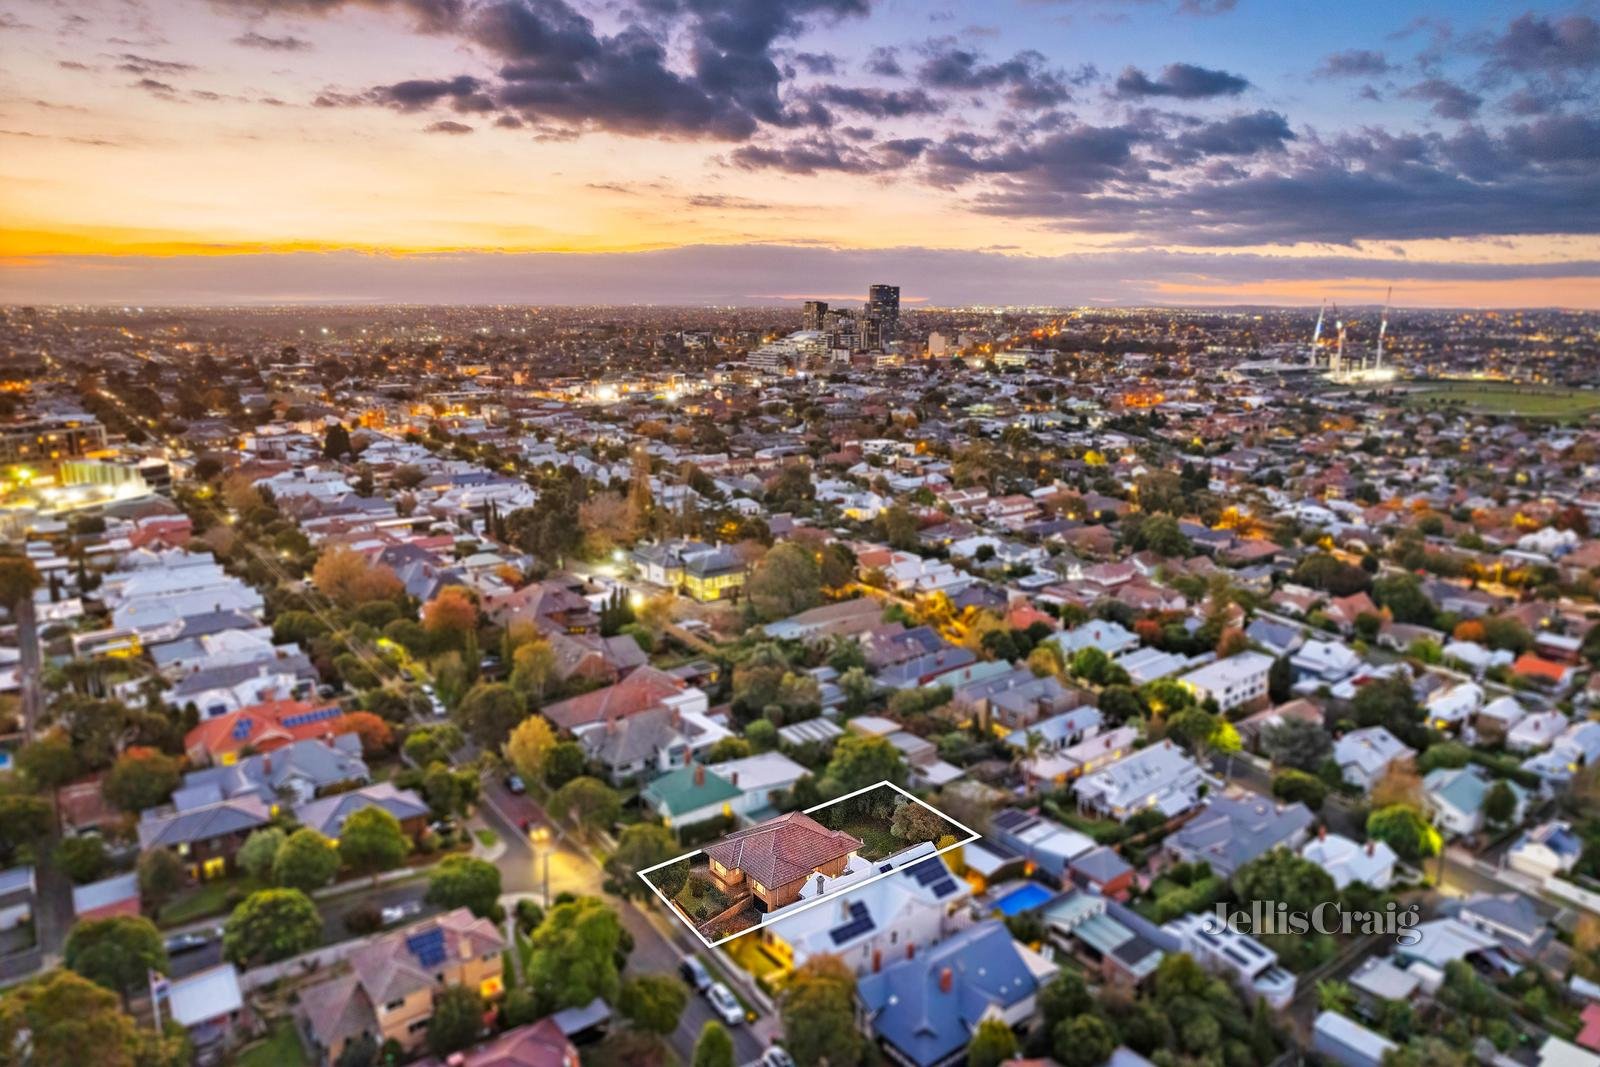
[1021,899]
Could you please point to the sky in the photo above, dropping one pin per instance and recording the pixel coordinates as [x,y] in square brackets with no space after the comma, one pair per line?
[761,151]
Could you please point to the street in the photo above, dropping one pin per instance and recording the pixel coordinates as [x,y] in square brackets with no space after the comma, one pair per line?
[522,871]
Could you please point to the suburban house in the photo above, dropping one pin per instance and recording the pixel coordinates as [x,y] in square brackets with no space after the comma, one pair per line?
[260,728]
[688,795]
[877,924]
[772,861]
[1364,755]
[1228,833]
[923,1010]
[540,1044]
[1118,942]
[1161,777]
[1236,682]
[1546,850]
[1044,844]
[1456,795]
[205,836]
[1227,951]
[651,742]
[327,815]
[107,898]
[387,991]
[210,1007]
[1348,862]
[761,779]
[296,773]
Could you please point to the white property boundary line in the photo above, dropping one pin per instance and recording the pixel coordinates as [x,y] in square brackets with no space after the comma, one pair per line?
[972,835]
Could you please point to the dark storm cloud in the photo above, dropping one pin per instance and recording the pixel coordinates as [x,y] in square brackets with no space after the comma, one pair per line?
[1183,81]
[1028,83]
[879,103]
[1449,100]
[286,43]
[1538,44]
[1354,63]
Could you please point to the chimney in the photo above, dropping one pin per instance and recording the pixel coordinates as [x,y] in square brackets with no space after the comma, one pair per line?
[1322,833]
[877,960]
[266,763]
[464,948]
[699,775]
[911,950]
[733,779]
[1372,846]
[947,980]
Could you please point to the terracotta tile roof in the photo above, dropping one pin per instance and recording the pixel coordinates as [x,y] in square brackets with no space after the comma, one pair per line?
[644,688]
[263,727]
[780,850]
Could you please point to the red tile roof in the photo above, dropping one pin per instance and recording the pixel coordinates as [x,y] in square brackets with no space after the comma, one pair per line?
[783,849]
[645,688]
[263,727]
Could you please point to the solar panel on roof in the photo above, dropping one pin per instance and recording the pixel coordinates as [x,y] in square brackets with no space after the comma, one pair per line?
[928,871]
[241,729]
[944,888]
[427,947]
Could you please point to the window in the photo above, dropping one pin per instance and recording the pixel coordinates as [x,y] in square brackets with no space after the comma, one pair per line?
[394,1005]
[418,1024]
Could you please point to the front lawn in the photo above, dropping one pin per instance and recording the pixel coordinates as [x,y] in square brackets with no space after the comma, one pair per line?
[700,898]
[205,900]
[486,837]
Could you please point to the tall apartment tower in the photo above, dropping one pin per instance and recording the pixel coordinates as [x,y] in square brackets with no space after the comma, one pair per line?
[882,318]
[815,315]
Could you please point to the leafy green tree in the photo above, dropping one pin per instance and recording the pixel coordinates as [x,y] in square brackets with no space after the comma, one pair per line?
[61,1018]
[160,876]
[82,859]
[1085,1041]
[1119,703]
[1404,829]
[573,954]
[714,1047]
[914,824]
[50,761]
[642,845]
[142,778]
[1387,702]
[992,1044]
[271,925]
[432,744]
[372,841]
[859,761]
[1499,804]
[306,861]
[466,882]
[490,711]
[586,802]
[1281,876]
[118,953]
[818,1013]
[1296,743]
[565,763]
[786,581]
[1292,786]
[457,1020]
[654,1002]
[336,441]
[1402,595]
[260,851]
[1064,997]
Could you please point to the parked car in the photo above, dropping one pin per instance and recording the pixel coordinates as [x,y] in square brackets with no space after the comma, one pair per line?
[775,1057]
[515,785]
[397,913]
[693,972]
[725,1004]
[193,941]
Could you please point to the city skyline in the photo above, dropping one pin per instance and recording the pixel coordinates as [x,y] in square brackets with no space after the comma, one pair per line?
[1036,152]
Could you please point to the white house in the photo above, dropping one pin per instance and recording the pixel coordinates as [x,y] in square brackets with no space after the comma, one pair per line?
[1546,850]
[1223,949]
[1364,755]
[1348,862]
[1456,795]
[1536,732]
[1324,662]
[1160,776]
[1232,682]
[1449,708]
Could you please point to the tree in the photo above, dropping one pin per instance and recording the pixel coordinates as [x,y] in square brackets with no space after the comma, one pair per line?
[1331,575]
[372,841]
[259,851]
[336,441]
[818,1014]
[142,778]
[1402,595]
[1400,784]
[118,953]
[82,859]
[1085,1041]
[465,882]
[914,824]
[306,861]
[1193,728]
[377,736]
[450,616]
[641,846]
[859,761]
[529,745]
[534,669]
[1119,703]
[992,1044]
[1065,997]
[271,925]
[566,762]
[50,761]
[787,581]
[432,744]
[1283,877]
[653,1002]
[573,954]
[1499,804]
[1296,743]
[490,711]
[714,1047]
[160,876]
[1294,786]
[61,1018]
[1403,828]
[344,576]
[1387,702]
[550,529]
[457,1020]
[586,802]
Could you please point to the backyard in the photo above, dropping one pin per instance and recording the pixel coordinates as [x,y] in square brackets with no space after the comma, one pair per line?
[280,1049]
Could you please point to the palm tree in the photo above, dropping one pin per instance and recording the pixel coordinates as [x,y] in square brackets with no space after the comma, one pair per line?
[18,580]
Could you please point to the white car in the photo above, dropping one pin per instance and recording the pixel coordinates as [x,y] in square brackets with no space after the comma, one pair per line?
[775,1057]
[725,1004]
[400,912]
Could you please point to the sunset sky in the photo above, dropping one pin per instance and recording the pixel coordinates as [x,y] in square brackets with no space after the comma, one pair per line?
[757,151]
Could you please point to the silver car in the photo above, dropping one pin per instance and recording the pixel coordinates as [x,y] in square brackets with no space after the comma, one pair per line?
[725,1004]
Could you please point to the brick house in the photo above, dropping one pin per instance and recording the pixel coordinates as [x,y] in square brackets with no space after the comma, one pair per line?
[773,860]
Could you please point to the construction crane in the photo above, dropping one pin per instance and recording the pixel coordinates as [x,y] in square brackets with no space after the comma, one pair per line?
[1383,325]
[1316,334]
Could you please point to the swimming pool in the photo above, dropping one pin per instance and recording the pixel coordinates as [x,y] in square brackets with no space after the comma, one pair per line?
[1023,898]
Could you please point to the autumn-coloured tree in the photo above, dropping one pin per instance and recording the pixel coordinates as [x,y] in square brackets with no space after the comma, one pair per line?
[606,523]
[529,746]
[1470,630]
[376,735]
[344,576]
[1400,784]
[451,615]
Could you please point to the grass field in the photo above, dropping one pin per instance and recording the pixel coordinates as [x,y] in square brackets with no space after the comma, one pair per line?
[280,1049]
[1504,398]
